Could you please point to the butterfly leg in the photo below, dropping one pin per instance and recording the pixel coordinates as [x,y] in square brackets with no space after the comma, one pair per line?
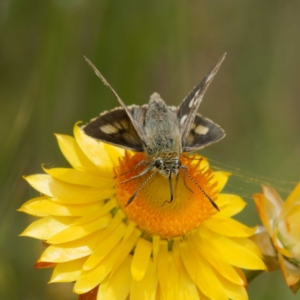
[184,180]
[139,175]
[143,162]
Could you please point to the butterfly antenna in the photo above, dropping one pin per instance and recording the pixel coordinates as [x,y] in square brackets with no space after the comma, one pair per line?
[205,194]
[140,188]
[97,72]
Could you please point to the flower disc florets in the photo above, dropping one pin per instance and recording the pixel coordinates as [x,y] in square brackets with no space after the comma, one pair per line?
[152,210]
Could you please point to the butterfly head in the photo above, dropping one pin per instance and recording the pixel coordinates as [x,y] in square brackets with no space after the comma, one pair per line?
[167,167]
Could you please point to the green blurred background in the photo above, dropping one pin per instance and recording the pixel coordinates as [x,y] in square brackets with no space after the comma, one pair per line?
[141,47]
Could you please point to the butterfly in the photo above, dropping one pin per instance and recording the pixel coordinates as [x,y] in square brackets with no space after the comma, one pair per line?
[162,132]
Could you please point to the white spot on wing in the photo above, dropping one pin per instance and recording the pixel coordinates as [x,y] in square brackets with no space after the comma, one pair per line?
[196,100]
[191,103]
[210,76]
[118,125]
[124,123]
[200,129]
[109,129]
[183,118]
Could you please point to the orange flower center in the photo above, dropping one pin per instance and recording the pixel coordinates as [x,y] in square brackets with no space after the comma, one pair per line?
[152,210]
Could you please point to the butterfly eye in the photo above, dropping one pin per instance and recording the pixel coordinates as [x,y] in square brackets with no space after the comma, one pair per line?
[158,163]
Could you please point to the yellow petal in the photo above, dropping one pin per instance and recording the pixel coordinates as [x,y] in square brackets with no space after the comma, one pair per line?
[204,162]
[45,228]
[294,197]
[201,273]
[233,291]
[248,244]
[201,161]
[176,252]
[114,153]
[117,286]
[127,246]
[36,207]
[295,287]
[279,247]
[74,232]
[146,287]
[207,281]
[287,253]
[104,247]
[234,251]
[95,151]
[115,222]
[273,197]
[290,272]
[291,224]
[88,279]
[130,229]
[221,177]
[268,212]
[162,267]
[212,255]
[71,250]
[173,280]
[45,206]
[230,204]
[202,296]
[188,259]
[65,192]
[102,211]
[229,227]
[68,271]
[289,230]
[262,239]
[155,242]
[80,177]
[187,289]
[141,259]
[74,155]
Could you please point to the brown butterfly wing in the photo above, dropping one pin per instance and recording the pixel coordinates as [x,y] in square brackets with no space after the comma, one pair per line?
[188,108]
[203,132]
[115,127]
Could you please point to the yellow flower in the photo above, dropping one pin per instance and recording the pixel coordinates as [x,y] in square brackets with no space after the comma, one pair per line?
[149,249]
[279,240]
